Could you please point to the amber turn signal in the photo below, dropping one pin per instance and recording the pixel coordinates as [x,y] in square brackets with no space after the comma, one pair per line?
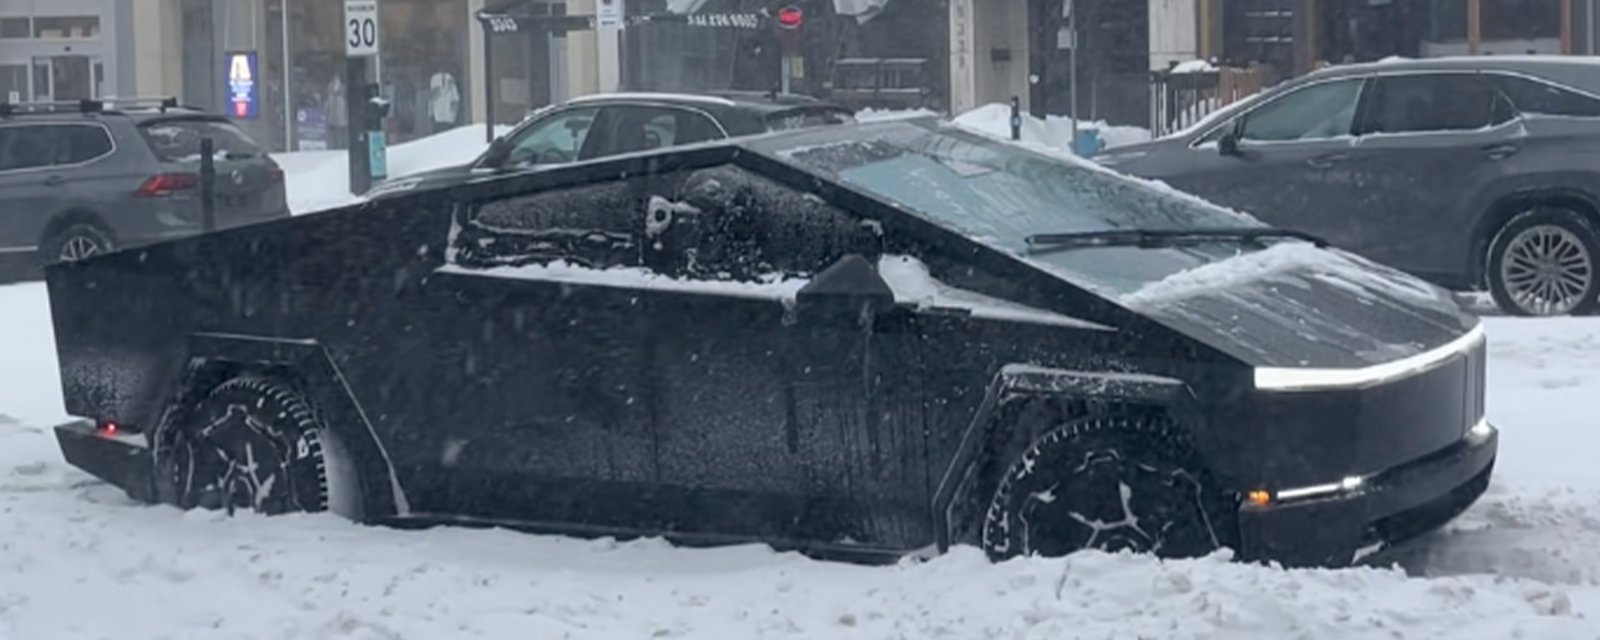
[1258,498]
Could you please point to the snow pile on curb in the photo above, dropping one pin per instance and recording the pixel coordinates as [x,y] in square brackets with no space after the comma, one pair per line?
[1054,132]
[319,180]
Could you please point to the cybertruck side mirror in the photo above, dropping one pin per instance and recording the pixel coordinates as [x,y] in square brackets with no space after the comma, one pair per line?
[850,287]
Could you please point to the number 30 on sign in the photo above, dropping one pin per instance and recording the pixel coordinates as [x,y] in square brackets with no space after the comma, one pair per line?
[361,27]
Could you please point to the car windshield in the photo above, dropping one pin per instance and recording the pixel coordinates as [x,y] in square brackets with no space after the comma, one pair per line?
[1002,194]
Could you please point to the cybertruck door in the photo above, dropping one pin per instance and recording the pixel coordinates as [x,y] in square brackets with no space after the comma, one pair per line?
[532,406]
[787,402]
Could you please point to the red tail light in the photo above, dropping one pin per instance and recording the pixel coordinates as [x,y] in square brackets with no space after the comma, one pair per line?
[167,184]
[275,175]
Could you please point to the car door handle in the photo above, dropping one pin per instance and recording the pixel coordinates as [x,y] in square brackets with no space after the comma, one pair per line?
[1323,162]
[1500,151]
[54,181]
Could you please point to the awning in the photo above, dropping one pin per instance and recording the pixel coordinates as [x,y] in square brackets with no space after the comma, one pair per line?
[861,10]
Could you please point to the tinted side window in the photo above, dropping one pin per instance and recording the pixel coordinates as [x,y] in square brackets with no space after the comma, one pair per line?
[1443,102]
[559,139]
[803,118]
[631,129]
[82,144]
[26,148]
[1324,110]
[1532,96]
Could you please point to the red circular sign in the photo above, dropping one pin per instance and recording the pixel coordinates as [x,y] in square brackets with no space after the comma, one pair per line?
[790,17]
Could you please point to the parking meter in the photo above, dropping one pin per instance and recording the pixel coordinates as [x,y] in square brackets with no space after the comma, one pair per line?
[377,108]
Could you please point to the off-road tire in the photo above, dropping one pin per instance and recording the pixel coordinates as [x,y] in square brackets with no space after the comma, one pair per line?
[1137,480]
[1516,230]
[247,422]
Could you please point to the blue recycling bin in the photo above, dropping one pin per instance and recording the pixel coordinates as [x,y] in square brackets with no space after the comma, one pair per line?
[1088,142]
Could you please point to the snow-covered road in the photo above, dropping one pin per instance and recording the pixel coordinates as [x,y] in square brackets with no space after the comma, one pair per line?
[79,560]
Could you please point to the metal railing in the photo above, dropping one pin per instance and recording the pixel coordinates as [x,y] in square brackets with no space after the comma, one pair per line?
[1181,97]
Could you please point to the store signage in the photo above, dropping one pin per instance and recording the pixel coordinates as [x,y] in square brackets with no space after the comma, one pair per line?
[609,14]
[728,20]
[244,93]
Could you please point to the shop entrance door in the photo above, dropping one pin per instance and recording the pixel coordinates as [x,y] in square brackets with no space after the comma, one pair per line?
[69,77]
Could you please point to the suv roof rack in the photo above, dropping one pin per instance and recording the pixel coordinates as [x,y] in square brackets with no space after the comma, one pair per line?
[107,105]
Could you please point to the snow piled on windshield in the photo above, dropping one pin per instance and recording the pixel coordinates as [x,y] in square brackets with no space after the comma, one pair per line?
[913,285]
[1299,260]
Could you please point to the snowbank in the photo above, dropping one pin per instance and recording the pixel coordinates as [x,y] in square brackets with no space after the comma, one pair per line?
[318,180]
[1052,131]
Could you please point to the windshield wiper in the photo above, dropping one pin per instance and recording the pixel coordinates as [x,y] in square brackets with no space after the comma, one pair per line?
[1158,238]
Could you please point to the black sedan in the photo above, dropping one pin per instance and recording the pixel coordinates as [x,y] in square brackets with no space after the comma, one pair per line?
[864,342]
[611,124]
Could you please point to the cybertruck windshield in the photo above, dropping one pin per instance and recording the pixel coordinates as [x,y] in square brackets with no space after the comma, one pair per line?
[1267,296]
[1003,194]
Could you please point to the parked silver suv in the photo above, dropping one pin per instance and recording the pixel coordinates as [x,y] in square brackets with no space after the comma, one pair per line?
[83,178]
[1480,172]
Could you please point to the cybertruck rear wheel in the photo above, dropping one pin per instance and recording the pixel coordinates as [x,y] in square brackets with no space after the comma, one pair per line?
[1108,483]
[252,443]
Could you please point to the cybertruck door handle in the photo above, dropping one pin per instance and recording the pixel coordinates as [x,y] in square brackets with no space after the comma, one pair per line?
[1500,151]
[1323,162]
[54,181]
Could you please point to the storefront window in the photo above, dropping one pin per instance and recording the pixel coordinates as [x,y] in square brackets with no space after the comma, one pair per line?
[423,69]
[425,66]
[67,27]
[1521,19]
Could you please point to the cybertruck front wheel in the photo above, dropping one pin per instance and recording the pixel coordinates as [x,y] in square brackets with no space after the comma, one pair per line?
[1107,483]
[252,443]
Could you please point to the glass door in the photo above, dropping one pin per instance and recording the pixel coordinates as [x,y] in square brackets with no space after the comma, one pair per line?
[13,82]
[67,78]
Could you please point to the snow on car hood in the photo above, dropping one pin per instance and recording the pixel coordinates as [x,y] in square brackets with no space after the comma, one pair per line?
[1295,305]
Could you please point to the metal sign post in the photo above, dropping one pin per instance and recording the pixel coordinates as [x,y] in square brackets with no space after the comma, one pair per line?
[361,43]
[1070,17]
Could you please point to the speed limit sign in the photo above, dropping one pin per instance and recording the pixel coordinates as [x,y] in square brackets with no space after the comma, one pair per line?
[360,28]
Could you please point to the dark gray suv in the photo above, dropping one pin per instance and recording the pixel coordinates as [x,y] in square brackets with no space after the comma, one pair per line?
[1475,173]
[83,178]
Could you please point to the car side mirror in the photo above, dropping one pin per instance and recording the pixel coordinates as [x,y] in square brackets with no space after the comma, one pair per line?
[850,287]
[1229,144]
[495,157]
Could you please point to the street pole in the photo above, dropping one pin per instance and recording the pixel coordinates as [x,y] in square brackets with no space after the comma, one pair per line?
[288,90]
[1072,61]
[1592,28]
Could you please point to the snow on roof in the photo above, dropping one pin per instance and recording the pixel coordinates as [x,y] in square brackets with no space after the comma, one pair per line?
[677,97]
[1194,66]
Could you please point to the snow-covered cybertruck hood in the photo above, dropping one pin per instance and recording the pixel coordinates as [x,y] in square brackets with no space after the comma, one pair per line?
[1299,313]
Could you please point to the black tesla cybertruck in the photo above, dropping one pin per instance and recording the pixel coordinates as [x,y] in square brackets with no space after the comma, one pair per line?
[865,342]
